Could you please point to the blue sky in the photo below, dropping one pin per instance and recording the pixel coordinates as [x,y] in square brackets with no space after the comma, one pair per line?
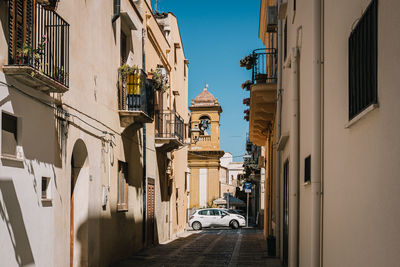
[216,34]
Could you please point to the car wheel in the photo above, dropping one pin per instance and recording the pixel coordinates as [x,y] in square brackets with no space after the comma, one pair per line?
[196,226]
[234,224]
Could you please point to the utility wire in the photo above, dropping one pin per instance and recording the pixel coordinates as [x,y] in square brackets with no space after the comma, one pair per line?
[105,132]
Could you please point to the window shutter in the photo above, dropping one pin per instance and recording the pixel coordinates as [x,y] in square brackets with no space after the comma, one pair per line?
[20,25]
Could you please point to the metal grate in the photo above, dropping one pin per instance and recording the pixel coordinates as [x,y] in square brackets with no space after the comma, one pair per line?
[363,59]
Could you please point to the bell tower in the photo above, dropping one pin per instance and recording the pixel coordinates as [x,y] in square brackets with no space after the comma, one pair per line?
[204,152]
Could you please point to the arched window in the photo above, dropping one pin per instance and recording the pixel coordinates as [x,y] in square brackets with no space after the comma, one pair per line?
[204,125]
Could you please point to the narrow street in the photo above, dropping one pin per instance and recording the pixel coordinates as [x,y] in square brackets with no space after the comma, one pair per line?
[210,247]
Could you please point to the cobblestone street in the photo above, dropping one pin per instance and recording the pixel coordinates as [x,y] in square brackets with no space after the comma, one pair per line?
[211,247]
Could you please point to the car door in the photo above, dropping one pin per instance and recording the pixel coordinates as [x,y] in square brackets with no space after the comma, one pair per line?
[225,218]
[204,218]
[215,217]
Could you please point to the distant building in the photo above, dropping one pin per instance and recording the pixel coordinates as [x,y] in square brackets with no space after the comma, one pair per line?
[229,174]
[204,153]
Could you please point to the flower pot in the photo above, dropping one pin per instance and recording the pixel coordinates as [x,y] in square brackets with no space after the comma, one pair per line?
[261,78]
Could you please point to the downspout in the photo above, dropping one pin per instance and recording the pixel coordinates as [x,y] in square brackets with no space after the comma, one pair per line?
[144,147]
[294,165]
[316,135]
[117,10]
[278,136]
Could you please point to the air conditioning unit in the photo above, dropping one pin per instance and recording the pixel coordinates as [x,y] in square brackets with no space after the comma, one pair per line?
[272,19]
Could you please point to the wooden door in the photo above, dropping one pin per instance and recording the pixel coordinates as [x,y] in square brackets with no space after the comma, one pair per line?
[150,211]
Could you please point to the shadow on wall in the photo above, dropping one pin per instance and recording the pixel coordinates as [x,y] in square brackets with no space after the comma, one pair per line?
[119,238]
[162,162]
[132,142]
[38,122]
[11,215]
[118,234]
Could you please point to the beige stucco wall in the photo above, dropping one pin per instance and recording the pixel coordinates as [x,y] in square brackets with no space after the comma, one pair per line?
[359,163]
[102,234]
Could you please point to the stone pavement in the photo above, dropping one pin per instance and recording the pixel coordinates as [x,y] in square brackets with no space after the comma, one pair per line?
[211,247]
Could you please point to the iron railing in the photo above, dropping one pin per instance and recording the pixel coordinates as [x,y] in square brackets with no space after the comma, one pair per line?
[264,65]
[135,92]
[169,125]
[39,37]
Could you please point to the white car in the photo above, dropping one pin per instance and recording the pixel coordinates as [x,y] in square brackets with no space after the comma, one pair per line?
[215,217]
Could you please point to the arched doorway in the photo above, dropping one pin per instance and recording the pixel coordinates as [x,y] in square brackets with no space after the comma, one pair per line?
[79,205]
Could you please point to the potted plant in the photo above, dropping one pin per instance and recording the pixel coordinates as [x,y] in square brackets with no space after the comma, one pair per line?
[59,74]
[159,80]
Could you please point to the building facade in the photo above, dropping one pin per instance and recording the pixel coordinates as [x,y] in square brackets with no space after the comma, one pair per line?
[333,161]
[204,152]
[82,175]
[230,174]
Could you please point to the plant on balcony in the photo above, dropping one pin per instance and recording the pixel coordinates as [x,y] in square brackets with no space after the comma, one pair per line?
[160,80]
[26,52]
[59,74]
[246,85]
[125,69]
[248,61]
[246,101]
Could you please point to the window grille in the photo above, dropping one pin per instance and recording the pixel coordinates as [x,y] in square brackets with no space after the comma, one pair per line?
[363,59]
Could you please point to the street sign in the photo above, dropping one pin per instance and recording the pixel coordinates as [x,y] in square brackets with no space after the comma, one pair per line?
[247,187]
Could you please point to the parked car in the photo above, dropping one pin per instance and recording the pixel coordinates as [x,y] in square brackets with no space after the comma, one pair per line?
[215,218]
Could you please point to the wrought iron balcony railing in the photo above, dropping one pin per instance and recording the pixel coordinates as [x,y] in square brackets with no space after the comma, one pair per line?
[264,69]
[169,125]
[135,92]
[263,63]
[38,38]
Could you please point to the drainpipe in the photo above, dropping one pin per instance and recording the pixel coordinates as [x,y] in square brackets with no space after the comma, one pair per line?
[278,136]
[316,135]
[117,10]
[294,165]
[144,149]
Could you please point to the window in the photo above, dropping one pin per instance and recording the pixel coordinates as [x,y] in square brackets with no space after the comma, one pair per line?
[203,212]
[363,59]
[204,125]
[122,204]
[46,189]
[214,213]
[9,132]
[307,169]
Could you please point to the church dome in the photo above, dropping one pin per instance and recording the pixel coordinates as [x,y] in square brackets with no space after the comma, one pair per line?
[205,98]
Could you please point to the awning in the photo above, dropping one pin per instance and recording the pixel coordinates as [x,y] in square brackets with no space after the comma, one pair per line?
[233,201]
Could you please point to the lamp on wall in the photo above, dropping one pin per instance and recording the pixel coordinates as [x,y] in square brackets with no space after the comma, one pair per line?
[195,133]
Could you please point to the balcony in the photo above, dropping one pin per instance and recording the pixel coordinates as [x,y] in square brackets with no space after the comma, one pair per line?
[135,97]
[170,130]
[38,47]
[263,92]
